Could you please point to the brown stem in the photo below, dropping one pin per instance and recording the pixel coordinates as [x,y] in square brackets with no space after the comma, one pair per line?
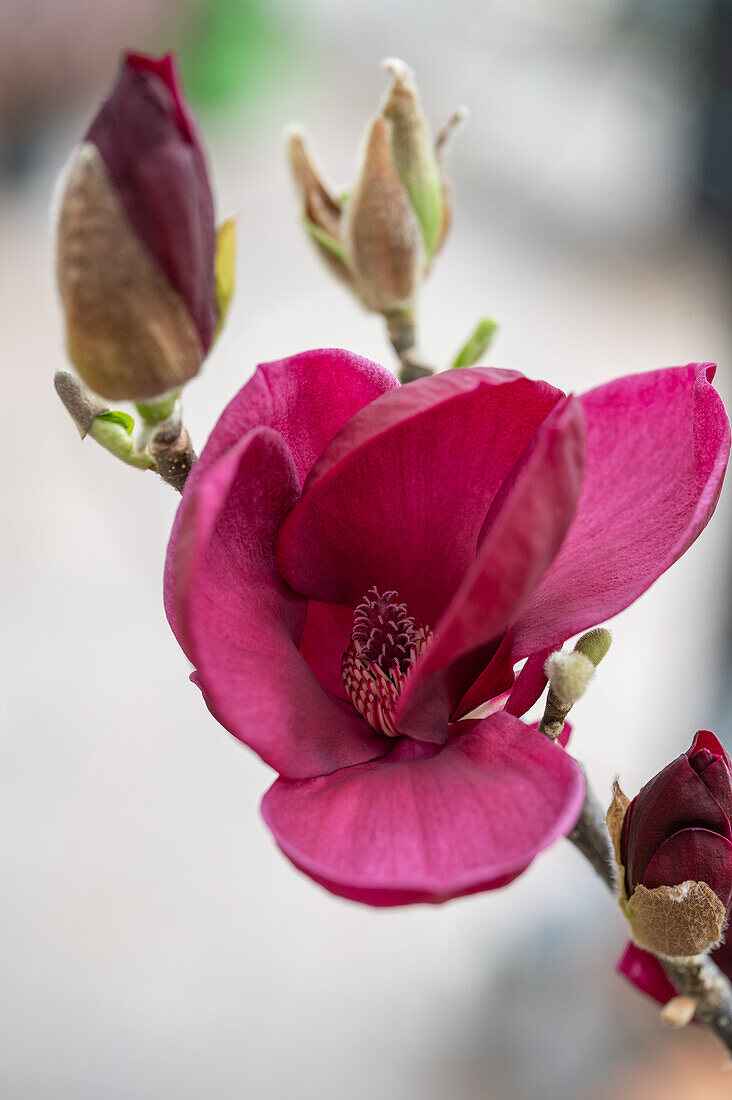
[555,713]
[704,982]
[402,333]
[591,838]
[173,454]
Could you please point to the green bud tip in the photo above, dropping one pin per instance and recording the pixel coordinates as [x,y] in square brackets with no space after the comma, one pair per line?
[594,644]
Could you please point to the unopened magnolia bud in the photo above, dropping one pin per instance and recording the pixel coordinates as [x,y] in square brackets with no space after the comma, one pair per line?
[136,241]
[569,675]
[673,854]
[595,644]
[380,236]
[414,154]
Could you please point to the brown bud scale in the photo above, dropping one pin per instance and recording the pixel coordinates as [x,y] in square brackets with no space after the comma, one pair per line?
[129,333]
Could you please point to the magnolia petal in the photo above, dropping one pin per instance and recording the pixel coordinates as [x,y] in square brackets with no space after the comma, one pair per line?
[646,973]
[708,757]
[529,684]
[428,824]
[693,854]
[240,623]
[149,143]
[306,398]
[399,498]
[524,530]
[657,450]
[325,638]
[675,799]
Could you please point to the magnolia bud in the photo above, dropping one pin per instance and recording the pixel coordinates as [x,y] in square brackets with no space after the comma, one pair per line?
[136,240]
[414,154]
[569,675]
[380,237]
[595,644]
[381,233]
[674,854]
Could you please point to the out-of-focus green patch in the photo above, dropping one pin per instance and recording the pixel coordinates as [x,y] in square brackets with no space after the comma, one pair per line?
[477,345]
[230,48]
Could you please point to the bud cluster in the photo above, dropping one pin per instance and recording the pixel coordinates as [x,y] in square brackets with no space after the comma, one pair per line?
[380,237]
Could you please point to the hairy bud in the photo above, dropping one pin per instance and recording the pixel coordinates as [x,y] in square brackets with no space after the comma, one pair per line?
[136,244]
[674,854]
[380,236]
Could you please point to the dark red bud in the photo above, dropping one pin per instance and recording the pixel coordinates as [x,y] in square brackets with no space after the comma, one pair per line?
[679,826]
[148,141]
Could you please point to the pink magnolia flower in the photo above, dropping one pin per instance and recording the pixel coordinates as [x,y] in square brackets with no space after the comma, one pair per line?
[356,566]
[677,829]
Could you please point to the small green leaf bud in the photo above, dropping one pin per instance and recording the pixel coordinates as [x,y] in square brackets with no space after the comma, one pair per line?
[569,675]
[595,644]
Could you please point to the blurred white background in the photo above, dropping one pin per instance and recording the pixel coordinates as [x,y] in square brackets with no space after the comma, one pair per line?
[153,942]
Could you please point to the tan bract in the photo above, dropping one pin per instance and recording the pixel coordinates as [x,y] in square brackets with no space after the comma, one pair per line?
[676,921]
[129,333]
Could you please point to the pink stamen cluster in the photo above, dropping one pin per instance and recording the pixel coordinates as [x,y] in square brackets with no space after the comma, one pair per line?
[384,645]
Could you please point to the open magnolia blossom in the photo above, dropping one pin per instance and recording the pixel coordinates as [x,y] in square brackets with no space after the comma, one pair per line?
[357,566]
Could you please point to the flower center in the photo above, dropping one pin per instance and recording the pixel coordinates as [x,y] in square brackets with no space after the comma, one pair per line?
[385,643]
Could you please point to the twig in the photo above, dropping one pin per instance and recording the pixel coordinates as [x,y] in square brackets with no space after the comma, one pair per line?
[704,982]
[591,838]
[555,714]
[164,446]
[698,978]
[402,334]
[174,457]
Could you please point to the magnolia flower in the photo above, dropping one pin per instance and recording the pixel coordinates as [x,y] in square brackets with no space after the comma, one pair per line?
[136,240]
[356,566]
[678,830]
